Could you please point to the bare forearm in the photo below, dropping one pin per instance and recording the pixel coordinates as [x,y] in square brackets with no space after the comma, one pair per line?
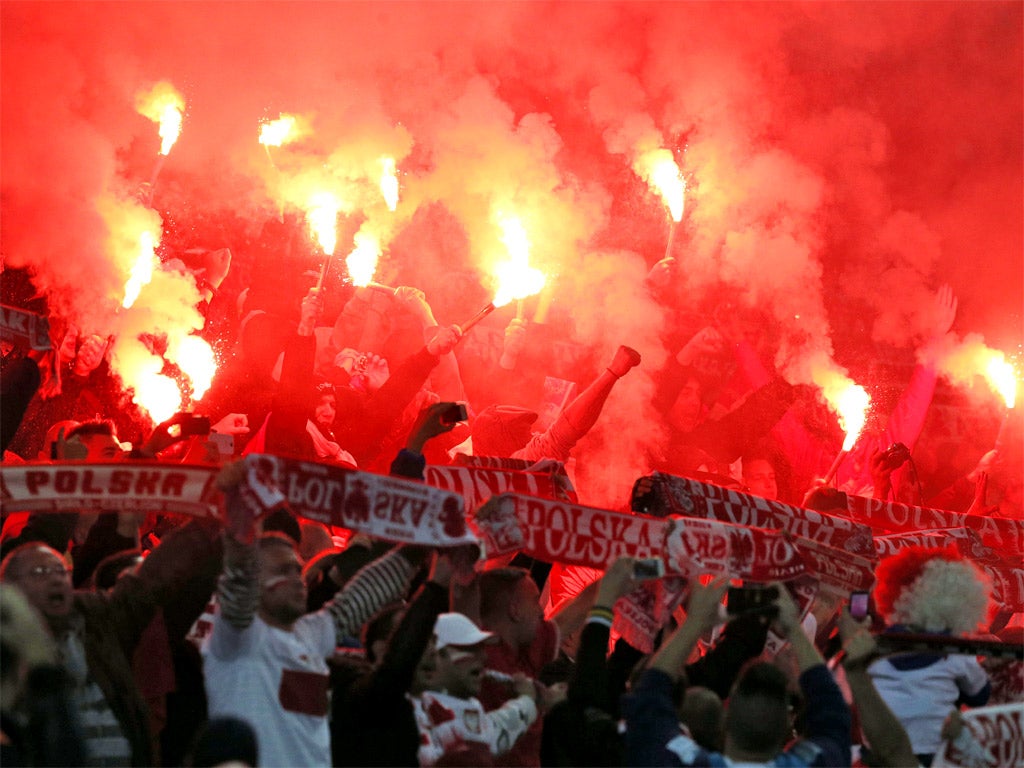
[806,654]
[571,617]
[889,741]
[673,653]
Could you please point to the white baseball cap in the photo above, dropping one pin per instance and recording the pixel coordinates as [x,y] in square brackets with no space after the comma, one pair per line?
[459,630]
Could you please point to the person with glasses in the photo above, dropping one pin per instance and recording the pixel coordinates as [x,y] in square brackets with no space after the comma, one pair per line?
[96,634]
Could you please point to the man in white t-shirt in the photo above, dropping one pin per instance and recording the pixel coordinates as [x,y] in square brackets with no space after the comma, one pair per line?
[265,659]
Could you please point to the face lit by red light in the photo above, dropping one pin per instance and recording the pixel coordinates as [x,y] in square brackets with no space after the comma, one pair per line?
[325,411]
[282,589]
[526,610]
[759,477]
[42,576]
[460,670]
[686,412]
[100,447]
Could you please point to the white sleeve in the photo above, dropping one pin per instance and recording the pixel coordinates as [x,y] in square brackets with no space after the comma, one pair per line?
[970,677]
[510,721]
[226,641]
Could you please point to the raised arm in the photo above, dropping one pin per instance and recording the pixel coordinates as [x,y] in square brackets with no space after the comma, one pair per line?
[889,741]
[383,581]
[827,715]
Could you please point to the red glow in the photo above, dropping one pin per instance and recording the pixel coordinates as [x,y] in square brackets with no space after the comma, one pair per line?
[840,160]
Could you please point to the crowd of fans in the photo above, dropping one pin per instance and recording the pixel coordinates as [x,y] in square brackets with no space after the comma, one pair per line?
[154,639]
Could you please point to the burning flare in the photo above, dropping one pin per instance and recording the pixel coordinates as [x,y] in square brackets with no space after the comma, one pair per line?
[195,358]
[142,270]
[362,261]
[1002,378]
[389,183]
[516,278]
[965,359]
[158,394]
[274,133]
[165,106]
[659,169]
[322,215]
[850,402]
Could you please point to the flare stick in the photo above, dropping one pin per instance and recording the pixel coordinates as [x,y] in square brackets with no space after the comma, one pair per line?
[152,179]
[671,238]
[1004,427]
[323,271]
[478,317]
[835,467]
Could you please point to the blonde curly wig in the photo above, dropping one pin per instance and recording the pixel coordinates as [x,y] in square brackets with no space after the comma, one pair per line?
[934,590]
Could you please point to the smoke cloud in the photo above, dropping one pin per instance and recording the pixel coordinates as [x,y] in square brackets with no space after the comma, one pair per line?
[841,159]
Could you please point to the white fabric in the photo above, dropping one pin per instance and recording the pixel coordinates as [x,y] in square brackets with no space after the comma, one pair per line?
[498,729]
[243,673]
[328,449]
[922,698]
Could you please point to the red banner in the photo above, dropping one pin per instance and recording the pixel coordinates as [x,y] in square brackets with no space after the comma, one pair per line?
[696,547]
[21,327]
[389,508]
[999,533]
[994,737]
[143,487]
[839,568]
[477,484]
[569,533]
[577,535]
[661,494]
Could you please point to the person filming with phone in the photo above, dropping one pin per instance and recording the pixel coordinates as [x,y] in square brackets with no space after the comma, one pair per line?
[757,722]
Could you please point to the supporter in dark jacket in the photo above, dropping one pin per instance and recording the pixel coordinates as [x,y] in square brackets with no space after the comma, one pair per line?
[372,720]
[757,724]
[97,631]
[341,423]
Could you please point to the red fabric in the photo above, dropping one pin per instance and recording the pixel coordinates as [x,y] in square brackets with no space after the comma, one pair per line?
[152,664]
[438,713]
[529,660]
[304,692]
[13,524]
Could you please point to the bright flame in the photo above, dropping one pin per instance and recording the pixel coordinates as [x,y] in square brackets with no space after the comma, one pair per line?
[274,133]
[516,278]
[389,183]
[1002,378]
[971,357]
[659,169]
[195,358]
[142,270]
[158,394]
[362,262]
[850,402]
[322,215]
[165,106]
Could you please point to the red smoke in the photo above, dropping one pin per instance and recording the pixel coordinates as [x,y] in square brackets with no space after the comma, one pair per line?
[842,159]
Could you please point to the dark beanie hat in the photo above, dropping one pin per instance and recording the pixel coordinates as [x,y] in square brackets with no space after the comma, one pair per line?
[325,388]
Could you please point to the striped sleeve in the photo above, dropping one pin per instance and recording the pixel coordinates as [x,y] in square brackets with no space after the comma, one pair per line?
[238,589]
[376,585]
